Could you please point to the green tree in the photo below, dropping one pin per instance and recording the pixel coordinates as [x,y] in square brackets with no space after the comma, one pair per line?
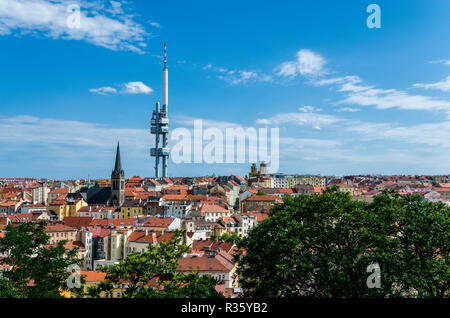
[6,290]
[261,192]
[37,269]
[422,233]
[226,238]
[161,262]
[320,246]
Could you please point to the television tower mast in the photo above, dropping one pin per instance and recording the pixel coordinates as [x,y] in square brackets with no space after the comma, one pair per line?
[159,124]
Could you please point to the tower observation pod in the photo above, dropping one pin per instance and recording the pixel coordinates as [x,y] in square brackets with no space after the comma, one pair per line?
[159,125]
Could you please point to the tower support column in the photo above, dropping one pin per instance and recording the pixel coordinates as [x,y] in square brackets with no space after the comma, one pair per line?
[159,125]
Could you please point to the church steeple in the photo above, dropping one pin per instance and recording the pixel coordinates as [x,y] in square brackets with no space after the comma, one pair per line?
[117,181]
[118,165]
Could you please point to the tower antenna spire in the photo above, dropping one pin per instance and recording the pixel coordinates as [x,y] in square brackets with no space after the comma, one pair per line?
[159,124]
[165,55]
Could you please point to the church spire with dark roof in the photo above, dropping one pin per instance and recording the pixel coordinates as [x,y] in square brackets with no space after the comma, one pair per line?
[118,165]
[117,182]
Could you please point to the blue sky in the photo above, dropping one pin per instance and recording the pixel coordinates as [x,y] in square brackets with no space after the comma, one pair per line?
[346,99]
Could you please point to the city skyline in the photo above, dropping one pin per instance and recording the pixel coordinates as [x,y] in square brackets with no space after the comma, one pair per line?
[347,99]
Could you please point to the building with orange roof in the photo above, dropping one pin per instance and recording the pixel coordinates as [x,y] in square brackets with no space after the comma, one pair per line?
[196,229]
[9,206]
[176,189]
[77,222]
[31,208]
[55,193]
[60,232]
[175,197]
[218,265]
[319,190]
[256,200]
[139,241]
[260,216]
[4,222]
[103,182]
[128,222]
[210,212]
[239,224]
[160,224]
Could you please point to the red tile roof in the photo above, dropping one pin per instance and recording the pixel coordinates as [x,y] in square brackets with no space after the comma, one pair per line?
[158,222]
[100,232]
[262,198]
[59,191]
[150,236]
[77,221]
[175,197]
[260,216]
[58,228]
[222,262]
[93,276]
[212,208]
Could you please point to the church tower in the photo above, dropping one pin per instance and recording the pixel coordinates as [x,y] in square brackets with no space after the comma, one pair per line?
[117,182]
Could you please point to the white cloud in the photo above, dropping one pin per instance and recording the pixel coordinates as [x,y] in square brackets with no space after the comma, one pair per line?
[431,134]
[307,63]
[301,119]
[103,90]
[309,142]
[287,69]
[445,62]
[365,95]
[238,77]
[126,88]
[22,130]
[309,109]
[116,8]
[442,85]
[155,24]
[207,123]
[102,25]
[392,98]
[348,109]
[136,88]
[337,80]
[235,77]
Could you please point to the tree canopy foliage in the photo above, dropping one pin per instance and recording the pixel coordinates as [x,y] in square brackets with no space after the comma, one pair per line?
[37,269]
[320,245]
[234,237]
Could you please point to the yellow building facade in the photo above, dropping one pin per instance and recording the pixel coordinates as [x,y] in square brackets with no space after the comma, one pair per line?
[63,208]
[131,211]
